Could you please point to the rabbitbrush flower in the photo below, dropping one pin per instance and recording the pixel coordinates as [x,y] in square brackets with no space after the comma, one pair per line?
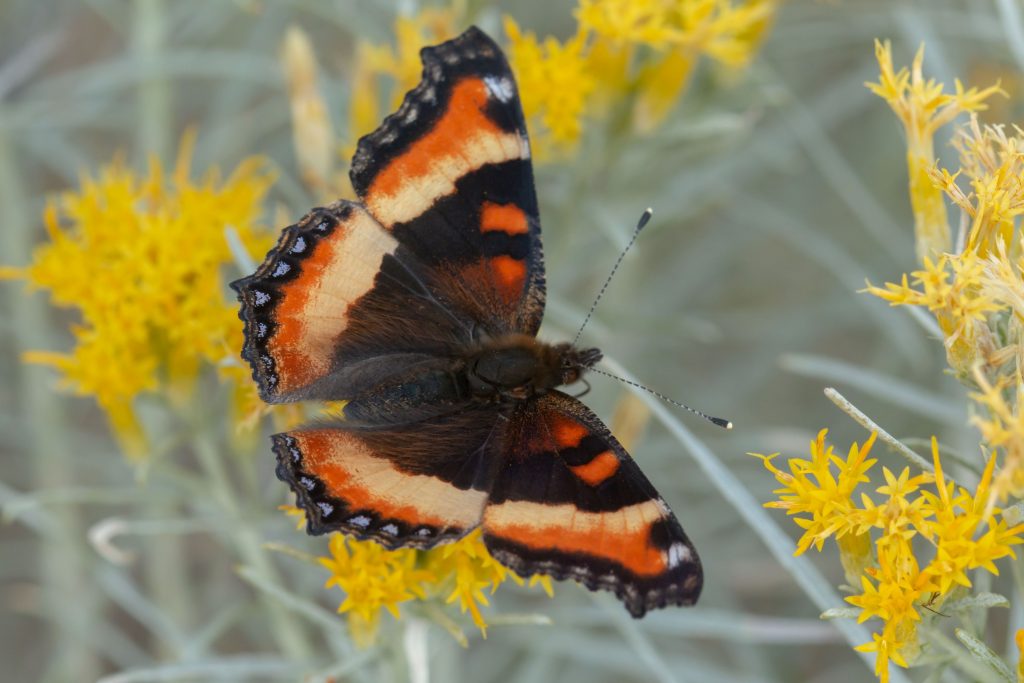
[139,258]
[897,581]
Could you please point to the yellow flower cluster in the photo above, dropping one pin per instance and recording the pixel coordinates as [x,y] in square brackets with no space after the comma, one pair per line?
[555,82]
[372,578]
[963,532]
[923,107]
[376,579]
[1001,424]
[140,258]
[643,51]
[975,287]
[726,31]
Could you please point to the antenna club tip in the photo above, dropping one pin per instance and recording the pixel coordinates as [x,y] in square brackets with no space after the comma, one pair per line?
[724,424]
[645,218]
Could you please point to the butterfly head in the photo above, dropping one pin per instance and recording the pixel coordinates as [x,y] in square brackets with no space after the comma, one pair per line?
[574,361]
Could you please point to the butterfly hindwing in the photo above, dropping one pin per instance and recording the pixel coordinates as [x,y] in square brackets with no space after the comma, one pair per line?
[449,174]
[569,502]
[406,486]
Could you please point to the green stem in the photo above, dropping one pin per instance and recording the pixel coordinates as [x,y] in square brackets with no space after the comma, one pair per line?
[286,629]
[154,94]
[165,571]
[70,601]
[867,423]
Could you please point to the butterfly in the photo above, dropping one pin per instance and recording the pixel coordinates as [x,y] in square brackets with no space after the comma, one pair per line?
[418,306]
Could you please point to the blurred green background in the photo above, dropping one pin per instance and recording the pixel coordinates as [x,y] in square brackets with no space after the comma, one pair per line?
[776,193]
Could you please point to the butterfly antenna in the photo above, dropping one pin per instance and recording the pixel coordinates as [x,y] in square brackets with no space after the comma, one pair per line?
[721,422]
[639,226]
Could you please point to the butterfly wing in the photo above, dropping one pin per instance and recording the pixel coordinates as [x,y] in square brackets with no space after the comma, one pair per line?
[405,486]
[570,502]
[449,175]
[337,307]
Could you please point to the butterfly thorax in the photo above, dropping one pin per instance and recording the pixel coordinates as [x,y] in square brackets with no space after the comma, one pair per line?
[520,367]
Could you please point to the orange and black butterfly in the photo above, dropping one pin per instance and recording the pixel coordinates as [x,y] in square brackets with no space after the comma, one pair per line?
[419,307]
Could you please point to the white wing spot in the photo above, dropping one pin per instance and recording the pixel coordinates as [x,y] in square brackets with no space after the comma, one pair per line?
[678,554]
[361,521]
[260,297]
[281,269]
[501,87]
[299,246]
[389,529]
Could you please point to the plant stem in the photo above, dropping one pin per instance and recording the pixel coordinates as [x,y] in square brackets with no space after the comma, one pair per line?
[63,566]
[154,94]
[867,423]
[286,629]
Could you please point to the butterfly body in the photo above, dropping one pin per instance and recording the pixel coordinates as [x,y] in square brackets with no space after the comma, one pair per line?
[519,367]
[419,306]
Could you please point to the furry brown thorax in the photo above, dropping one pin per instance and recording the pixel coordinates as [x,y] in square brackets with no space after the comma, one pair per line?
[519,366]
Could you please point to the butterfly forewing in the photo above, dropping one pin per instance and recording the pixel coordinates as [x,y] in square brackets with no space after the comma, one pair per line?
[449,174]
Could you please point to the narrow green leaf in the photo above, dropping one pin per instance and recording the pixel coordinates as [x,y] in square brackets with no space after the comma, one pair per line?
[984,600]
[984,654]
[840,613]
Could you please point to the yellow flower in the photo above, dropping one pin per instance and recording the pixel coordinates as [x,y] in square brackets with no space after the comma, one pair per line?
[680,32]
[140,258]
[994,164]
[887,647]
[376,579]
[810,488]
[961,527]
[554,86]
[1002,427]
[923,107]
[953,288]
[956,522]
[464,570]
[372,578]
[898,518]
[726,31]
